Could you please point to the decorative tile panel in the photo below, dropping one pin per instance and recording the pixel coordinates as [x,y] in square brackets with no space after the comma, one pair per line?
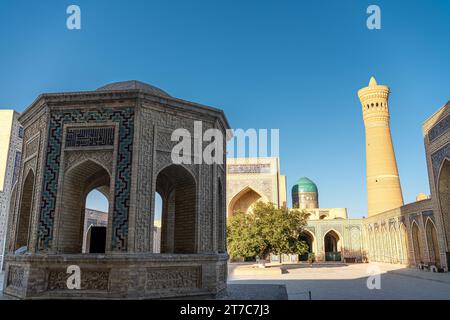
[438,157]
[125,118]
[441,127]
[89,137]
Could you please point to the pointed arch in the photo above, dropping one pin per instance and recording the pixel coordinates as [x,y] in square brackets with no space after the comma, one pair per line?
[432,242]
[86,160]
[355,239]
[398,249]
[416,237]
[332,245]
[244,200]
[393,244]
[310,239]
[443,196]
[78,181]
[25,211]
[180,168]
[178,189]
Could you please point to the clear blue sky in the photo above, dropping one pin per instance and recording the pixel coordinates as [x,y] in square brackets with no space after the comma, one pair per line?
[292,65]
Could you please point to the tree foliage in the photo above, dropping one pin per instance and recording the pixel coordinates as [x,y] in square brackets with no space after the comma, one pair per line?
[265,230]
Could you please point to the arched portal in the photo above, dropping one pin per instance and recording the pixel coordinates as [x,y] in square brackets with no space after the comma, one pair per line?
[78,182]
[444,196]
[25,208]
[308,238]
[416,243]
[177,188]
[244,200]
[332,246]
[433,245]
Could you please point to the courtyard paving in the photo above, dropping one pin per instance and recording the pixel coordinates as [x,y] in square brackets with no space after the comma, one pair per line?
[342,281]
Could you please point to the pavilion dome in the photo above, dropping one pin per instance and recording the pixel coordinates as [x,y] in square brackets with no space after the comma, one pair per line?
[133,85]
[304,185]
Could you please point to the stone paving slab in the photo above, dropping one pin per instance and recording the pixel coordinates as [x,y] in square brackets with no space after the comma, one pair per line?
[259,291]
[255,270]
[255,292]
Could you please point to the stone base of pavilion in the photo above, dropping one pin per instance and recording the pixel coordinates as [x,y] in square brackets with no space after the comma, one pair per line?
[115,276]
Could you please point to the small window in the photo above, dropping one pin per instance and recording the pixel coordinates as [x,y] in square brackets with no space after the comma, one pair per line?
[20,132]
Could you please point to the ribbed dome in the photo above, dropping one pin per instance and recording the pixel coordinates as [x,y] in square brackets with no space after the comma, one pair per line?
[304,185]
[133,85]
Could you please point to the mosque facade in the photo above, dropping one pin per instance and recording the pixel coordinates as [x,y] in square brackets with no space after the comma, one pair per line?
[330,234]
[415,234]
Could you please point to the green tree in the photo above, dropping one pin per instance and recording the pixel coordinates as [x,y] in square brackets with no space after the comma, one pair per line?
[265,230]
[243,236]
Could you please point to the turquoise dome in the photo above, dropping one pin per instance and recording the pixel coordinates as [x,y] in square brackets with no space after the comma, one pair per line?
[304,185]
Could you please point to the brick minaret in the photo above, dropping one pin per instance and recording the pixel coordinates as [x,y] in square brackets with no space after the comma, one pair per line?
[383,182]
